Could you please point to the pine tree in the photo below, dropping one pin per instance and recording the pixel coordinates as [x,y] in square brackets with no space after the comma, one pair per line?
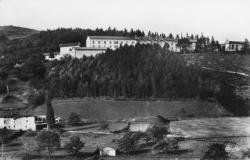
[50,118]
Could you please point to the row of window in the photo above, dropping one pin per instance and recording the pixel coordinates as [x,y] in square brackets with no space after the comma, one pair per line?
[115,42]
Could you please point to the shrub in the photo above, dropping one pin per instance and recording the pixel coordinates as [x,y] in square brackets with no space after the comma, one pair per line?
[104,126]
[128,142]
[216,151]
[74,119]
[75,145]
[36,99]
[48,140]
[157,132]
[168,145]
[30,133]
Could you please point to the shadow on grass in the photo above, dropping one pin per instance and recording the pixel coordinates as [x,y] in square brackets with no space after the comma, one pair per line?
[141,151]
[81,155]
[178,152]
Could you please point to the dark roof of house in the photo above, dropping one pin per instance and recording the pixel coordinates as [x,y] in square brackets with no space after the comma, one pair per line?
[89,48]
[111,37]
[69,44]
[235,42]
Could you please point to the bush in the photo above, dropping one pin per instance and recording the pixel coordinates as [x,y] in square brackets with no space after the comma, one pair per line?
[168,145]
[30,133]
[75,145]
[48,140]
[104,126]
[74,119]
[216,151]
[129,141]
[36,99]
[157,132]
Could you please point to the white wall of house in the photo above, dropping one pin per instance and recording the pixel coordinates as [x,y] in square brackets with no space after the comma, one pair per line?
[23,123]
[83,51]
[113,44]
[233,47]
[139,127]
[108,152]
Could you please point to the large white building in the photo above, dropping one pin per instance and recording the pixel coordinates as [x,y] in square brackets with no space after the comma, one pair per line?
[170,42]
[98,44]
[111,42]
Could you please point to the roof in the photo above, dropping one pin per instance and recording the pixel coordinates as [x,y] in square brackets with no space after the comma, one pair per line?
[235,42]
[111,37]
[69,44]
[89,48]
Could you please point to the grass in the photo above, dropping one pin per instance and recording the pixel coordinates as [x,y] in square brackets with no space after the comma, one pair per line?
[101,109]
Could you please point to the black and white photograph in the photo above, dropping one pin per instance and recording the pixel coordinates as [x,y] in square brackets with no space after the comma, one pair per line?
[124,80]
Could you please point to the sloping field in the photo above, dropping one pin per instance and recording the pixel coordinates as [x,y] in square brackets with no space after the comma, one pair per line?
[234,63]
[89,108]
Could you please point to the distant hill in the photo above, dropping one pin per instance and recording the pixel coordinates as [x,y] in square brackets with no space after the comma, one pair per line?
[15,32]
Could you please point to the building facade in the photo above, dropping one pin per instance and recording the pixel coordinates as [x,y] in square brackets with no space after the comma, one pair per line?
[67,48]
[232,46]
[111,42]
[98,44]
[26,123]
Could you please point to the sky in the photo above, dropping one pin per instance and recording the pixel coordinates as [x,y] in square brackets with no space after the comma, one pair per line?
[224,19]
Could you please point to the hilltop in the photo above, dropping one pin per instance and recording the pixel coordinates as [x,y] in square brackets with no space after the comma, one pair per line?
[15,32]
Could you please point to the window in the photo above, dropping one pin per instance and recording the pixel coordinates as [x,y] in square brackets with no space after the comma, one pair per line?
[104,42]
[99,46]
[116,42]
[99,42]
[93,41]
[93,46]
[110,42]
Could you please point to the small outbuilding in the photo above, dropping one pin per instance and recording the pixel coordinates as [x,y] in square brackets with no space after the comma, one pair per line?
[108,151]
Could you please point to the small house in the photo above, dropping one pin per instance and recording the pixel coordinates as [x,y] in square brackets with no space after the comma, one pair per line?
[108,151]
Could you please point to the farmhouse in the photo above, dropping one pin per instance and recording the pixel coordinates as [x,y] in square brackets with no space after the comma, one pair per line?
[232,46]
[25,123]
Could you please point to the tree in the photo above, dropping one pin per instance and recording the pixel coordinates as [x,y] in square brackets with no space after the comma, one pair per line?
[157,132]
[74,119]
[75,145]
[50,118]
[51,55]
[128,142]
[3,133]
[217,152]
[246,48]
[171,36]
[48,140]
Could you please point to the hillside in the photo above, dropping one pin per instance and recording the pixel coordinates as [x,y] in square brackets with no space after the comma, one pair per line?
[231,63]
[15,32]
[101,109]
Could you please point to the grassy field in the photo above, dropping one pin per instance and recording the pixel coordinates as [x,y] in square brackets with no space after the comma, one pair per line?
[222,62]
[101,109]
